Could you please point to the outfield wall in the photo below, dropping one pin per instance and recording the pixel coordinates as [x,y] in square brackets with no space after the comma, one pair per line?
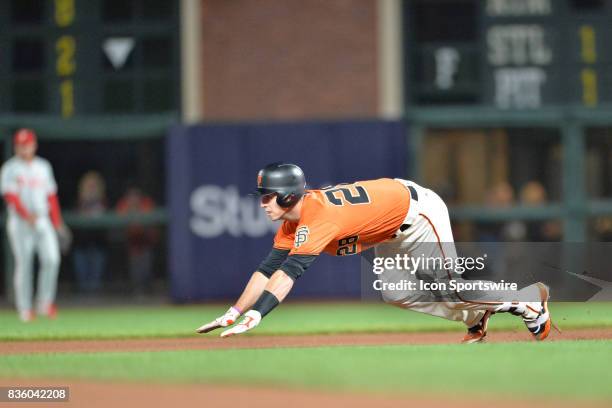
[218,234]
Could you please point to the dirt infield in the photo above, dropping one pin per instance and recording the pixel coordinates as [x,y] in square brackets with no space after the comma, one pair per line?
[112,394]
[134,395]
[212,342]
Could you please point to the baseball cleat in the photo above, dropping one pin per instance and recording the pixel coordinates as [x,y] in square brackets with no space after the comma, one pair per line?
[52,312]
[477,333]
[540,326]
[49,311]
[27,316]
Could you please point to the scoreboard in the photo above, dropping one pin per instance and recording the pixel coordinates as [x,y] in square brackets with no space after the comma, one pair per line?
[509,54]
[74,57]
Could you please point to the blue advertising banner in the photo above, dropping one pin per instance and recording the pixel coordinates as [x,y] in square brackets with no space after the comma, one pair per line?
[219,234]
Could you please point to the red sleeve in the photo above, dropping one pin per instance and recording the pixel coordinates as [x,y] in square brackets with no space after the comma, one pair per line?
[54,210]
[13,199]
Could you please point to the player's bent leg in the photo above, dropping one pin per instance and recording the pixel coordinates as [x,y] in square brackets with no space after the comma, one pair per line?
[431,235]
[532,303]
[421,302]
[532,308]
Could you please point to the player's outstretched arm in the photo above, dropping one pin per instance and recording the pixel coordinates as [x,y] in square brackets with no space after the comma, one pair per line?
[276,290]
[251,292]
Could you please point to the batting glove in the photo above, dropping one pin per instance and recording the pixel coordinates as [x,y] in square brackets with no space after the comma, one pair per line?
[227,319]
[251,319]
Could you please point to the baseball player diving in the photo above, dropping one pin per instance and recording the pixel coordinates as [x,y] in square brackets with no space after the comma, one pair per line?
[392,215]
[30,192]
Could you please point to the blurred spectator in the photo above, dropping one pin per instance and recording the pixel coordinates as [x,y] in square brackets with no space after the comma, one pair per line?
[603,229]
[140,239]
[89,252]
[501,196]
[533,194]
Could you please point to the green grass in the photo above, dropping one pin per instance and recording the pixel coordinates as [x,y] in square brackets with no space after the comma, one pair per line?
[549,369]
[303,318]
[561,369]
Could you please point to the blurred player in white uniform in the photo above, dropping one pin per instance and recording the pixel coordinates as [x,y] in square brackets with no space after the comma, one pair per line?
[30,192]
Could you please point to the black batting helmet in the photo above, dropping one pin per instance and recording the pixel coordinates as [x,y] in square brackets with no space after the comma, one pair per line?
[286,180]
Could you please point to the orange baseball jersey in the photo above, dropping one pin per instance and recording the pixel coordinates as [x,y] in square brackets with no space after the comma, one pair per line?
[346,219]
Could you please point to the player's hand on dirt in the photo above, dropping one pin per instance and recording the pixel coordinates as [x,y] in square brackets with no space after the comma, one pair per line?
[227,319]
[251,319]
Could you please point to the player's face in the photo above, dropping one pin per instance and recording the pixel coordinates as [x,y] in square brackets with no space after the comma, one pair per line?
[271,207]
[26,151]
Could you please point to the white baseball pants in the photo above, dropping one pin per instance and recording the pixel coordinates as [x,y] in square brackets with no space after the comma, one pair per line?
[25,240]
[430,235]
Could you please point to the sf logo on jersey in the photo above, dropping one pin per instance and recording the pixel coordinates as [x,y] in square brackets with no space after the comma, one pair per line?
[301,236]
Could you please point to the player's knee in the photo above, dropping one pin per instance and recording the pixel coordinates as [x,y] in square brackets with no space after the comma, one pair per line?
[20,270]
[50,261]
